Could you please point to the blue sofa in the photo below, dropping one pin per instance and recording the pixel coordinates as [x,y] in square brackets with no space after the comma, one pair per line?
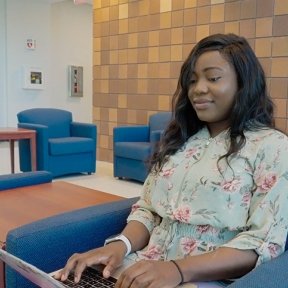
[10,181]
[48,243]
[133,145]
[62,146]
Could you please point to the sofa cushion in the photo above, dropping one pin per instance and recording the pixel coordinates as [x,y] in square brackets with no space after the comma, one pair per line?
[133,150]
[70,145]
[11,181]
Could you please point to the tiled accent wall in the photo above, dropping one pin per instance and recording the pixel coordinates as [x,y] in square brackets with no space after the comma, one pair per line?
[140,45]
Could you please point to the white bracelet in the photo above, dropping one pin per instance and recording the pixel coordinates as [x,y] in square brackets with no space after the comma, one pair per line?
[122,238]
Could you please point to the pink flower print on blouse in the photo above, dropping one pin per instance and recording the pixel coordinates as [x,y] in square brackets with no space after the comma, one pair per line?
[170,186]
[134,207]
[167,172]
[267,181]
[190,152]
[230,186]
[273,249]
[246,199]
[153,252]
[188,245]
[182,214]
[202,229]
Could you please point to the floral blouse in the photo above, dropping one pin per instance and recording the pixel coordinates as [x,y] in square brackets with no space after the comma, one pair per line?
[197,203]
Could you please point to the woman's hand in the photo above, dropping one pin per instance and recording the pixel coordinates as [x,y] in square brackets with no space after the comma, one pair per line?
[110,255]
[152,274]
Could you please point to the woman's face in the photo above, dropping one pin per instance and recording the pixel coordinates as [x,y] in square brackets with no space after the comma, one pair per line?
[212,90]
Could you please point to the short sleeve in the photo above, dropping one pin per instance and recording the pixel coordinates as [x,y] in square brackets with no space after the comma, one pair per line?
[142,210]
[267,225]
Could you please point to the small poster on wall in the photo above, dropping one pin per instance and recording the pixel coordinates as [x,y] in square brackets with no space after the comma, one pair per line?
[33,78]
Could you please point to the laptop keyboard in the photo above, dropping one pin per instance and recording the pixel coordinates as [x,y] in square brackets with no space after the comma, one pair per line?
[90,278]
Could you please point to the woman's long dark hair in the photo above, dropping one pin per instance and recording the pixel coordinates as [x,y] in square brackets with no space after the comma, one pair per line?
[252,109]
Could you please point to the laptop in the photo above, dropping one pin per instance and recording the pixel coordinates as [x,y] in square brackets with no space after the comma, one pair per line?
[92,275]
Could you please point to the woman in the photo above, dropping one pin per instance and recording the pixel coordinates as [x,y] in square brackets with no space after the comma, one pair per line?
[214,201]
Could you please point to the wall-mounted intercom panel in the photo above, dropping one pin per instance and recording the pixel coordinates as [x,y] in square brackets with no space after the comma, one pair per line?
[75,74]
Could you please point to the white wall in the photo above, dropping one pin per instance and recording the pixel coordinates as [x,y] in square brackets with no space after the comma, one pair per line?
[54,27]
[72,45]
[3,95]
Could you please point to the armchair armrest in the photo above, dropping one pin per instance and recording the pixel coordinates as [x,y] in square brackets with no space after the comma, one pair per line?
[156,135]
[41,130]
[273,273]
[131,134]
[87,130]
[49,243]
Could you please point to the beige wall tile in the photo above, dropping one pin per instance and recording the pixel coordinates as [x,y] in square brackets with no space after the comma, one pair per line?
[123,26]
[280,46]
[142,86]
[203,15]
[176,53]
[264,27]
[103,141]
[279,88]
[177,18]
[132,55]
[143,8]
[280,7]
[164,103]
[281,109]
[131,117]
[122,102]
[123,11]
[190,4]
[232,27]
[153,38]
[154,7]
[165,20]
[248,9]
[217,13]
[165,53]
[112,115]
[165,5]
[213,2]
[96,44]
[263,47]
[279,67]
[177,36]
[190,17]
[232,11]
[202,31]
[153,54]
[280,27]
[281,123]
[142,70]
[248,28]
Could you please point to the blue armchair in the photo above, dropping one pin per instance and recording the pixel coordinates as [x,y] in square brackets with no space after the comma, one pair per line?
[48,243]
[134,144]
[62,146]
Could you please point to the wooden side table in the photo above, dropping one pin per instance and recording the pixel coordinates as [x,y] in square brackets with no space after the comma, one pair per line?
[15,134]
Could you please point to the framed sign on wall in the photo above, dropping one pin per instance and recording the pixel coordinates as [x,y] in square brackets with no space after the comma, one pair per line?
[33,78]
